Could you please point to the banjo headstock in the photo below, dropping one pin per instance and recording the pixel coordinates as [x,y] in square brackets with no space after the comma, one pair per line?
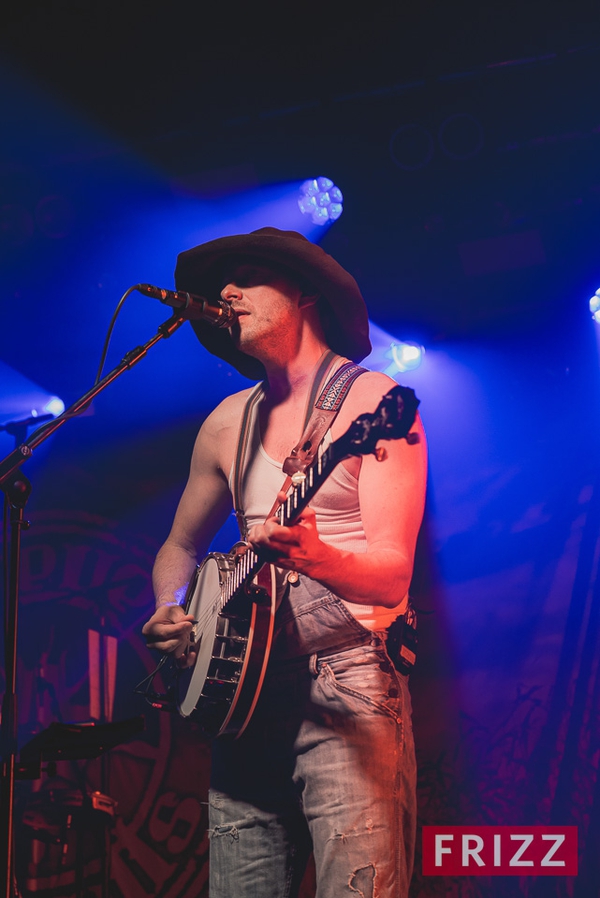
[391,420]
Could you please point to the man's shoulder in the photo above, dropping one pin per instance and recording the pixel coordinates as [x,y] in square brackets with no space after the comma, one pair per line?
[229,411]
[364,396]
[216,440]
[369,388]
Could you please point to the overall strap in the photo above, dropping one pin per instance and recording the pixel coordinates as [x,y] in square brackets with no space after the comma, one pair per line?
[238,462]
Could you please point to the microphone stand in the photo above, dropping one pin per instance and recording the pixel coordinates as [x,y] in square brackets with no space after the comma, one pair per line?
[17,489]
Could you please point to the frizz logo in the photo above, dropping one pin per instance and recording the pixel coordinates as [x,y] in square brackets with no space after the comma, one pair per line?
[500,850]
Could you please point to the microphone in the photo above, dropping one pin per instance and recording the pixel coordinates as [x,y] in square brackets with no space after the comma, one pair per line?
[194,308]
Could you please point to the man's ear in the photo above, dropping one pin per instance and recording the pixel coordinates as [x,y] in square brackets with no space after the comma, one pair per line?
[307,299]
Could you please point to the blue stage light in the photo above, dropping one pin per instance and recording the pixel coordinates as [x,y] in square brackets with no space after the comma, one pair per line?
[54,406]
[406,356]
[321,199]
[392,356]
[22,403]
[20,398]
[595,306]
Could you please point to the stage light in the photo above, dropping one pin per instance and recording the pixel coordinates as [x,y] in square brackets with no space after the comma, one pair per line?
[392,356]
[406,356]
[321,199]
[595,306]
[23,407]
[54,407]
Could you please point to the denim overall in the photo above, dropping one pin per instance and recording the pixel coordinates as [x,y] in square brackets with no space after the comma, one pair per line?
[326,765]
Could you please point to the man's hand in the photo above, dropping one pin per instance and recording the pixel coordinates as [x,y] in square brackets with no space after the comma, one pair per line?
[296,548]
[168,630]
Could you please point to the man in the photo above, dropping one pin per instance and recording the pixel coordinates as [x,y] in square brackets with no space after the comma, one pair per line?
[327,761]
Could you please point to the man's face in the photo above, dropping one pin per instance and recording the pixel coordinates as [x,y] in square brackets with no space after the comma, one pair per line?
[266,302]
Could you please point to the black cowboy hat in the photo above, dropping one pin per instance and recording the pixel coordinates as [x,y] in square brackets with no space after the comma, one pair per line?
[344,315]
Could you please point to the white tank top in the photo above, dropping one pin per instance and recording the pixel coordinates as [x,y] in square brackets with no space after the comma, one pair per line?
[336,506]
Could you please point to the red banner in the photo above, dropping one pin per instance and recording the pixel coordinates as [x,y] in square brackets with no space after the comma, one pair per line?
[500,850]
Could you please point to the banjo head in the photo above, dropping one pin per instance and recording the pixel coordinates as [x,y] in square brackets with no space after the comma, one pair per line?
[220,636]
[203,602]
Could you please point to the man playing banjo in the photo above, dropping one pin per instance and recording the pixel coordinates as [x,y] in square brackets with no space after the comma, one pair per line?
[326,760]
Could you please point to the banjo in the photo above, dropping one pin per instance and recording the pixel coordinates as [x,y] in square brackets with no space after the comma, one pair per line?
[232,596]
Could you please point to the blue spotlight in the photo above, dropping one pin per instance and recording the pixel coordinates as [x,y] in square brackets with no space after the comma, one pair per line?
[321,199]
[54,407]
[20,398]
[595,306]
[406,356]
[390,355]
[23,407]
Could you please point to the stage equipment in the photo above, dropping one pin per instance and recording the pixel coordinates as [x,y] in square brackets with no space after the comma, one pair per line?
[191,307]
[392,356]
[62,816]
[406,356]
[24,404]
[73,742]
[321,199]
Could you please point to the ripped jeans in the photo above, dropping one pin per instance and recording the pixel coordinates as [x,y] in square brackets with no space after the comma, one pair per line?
[326,765]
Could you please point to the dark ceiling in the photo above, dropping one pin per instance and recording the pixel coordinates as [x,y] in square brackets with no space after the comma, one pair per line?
[506,94]
[147,66]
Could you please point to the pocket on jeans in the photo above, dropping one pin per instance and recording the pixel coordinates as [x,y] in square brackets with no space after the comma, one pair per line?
[365,677]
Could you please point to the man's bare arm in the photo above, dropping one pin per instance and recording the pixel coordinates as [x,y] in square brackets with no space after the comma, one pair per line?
[202,510]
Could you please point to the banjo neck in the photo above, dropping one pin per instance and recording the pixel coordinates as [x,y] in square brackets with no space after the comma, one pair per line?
[305,485]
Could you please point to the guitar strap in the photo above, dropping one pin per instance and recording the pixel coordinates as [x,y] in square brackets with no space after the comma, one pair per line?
[330,390]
